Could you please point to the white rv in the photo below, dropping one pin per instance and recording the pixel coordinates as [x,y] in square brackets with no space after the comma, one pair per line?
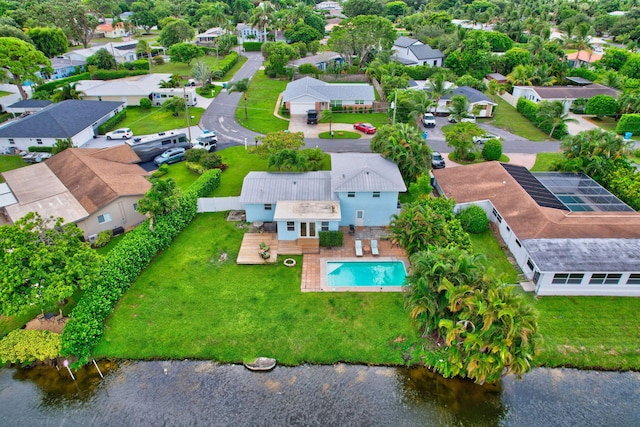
[158,96]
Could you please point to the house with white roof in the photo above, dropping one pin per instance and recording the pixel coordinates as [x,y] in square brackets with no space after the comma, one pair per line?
[129,90]
[78,120]
[564,94]
[308,93]
[122,52]
[361,190]
[321,61]
[412,52]
[209,36]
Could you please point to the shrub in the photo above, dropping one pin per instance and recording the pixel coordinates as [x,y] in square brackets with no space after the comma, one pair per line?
[195,167]
[601,105]
[529,109]
[210,160]
[116,74]
[330,239]
[112,122]
[252,46]
[122,266]
[193,155]
[470,156]
[25,347]
[104,237]
[492,149]
[628,123]
[473,219]
[158,60]
[228,62]
[161,171]
[145,103]
[39,149]
[51,86]
[309,69]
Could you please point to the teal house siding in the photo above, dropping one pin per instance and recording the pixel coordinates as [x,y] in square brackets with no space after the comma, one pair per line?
[377,211]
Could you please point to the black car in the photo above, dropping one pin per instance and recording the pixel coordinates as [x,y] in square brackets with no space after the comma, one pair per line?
[437,161]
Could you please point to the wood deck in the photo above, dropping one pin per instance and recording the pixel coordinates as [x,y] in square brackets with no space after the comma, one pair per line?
[250,248]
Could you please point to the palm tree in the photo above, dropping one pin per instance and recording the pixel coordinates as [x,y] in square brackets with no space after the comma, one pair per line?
[438,88]
[581,41]
[612,79]
[328,115]
[552,113]
[521,75]
[240,86]
[201,72]
[459,107]
[67,91]
[420,104]
[262,16]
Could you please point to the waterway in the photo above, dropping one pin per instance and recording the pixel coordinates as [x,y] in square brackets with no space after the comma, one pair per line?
[192,393]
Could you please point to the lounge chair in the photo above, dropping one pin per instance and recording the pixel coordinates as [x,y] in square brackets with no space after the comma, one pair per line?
[374,247]
[358,247]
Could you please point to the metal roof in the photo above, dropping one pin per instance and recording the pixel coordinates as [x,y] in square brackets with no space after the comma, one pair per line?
[579,80]
[272,187]
[62,120]
[405,41]
[6,196]
[584,255]
[141,85]
[364,172]
[327,91]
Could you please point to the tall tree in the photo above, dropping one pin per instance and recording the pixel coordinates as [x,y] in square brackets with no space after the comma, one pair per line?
[103,60]
[242,86]
[175,32]
[202,72]
[459,107]
[274,142]
[50,41]
[67,91]
[551,113]
[361,36]
[460,138]
[162,198]
[184,52]
[22,61]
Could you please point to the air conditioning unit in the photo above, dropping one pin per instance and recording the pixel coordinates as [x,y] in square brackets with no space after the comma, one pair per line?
[92,238]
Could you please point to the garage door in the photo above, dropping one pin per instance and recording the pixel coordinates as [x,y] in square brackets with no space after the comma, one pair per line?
[302,107]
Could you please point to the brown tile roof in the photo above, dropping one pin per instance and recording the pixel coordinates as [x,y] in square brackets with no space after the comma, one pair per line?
[528,220]
[96,177]
[572,92]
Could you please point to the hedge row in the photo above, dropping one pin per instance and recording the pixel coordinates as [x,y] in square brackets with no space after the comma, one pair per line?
[331,239]
[112,122]
[122,266]
[228,62]
[51,86]
[116,74]
[138,64]
[39,149]
[252,46]
[529,109]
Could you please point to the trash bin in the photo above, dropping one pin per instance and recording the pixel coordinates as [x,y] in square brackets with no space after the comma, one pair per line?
[224,85]
[628,135]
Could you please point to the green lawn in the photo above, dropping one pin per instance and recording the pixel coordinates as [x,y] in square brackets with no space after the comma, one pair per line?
[157,119]
[339,134]
[607,123]
[376,119]
[261,102]
[8,163]
[497,261]
[507,117]
[185,70]
[188,304]
[544,161]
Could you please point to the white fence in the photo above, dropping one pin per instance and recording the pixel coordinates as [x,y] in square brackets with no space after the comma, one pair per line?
[218,204]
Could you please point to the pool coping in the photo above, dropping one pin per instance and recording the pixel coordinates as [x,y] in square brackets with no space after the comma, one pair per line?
[323,275]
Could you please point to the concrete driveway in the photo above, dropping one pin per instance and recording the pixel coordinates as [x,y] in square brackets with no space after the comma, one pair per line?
[299,124]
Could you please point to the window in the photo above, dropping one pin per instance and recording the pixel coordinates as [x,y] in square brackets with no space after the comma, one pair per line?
[508,229]
[519,244]
[104,218]
[359,101]
[376,194]
[324,226]
[567,279]
[166,142]
[12,141]
[135,206]
[529,264]
[351,194]
[268,206]
[38,141]
[291,226]
[634,279]
[604,279]
[182,139]
[536,277]
[497,215]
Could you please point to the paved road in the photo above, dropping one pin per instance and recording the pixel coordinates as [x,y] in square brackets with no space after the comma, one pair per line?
[221,113]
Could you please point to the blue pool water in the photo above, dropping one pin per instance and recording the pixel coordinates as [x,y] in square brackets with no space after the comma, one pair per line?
[355,273]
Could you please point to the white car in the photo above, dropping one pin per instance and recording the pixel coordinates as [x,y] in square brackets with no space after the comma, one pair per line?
[428,120]
[122,133]
[484,138]
[468,119]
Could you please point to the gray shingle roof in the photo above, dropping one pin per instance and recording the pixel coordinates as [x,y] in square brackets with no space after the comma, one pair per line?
[473,95]
[327,91]
[30,103]
[424,51]
[62,120]
[405,41]
[364,172]
[271,187]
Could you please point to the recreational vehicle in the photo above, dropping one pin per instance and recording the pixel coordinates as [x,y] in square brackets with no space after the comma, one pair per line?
[149,147]
[158,96]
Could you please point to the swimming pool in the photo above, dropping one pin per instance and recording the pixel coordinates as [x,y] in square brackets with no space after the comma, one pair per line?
[375,274]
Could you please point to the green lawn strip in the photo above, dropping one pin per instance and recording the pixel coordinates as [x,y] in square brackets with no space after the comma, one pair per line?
[157,119]
[376,119]
[210,93]
[261,102]
[12,162]
[181,175]
[339,134]
[105,249]
[589,332]
[507,117]
[487,245]
[189,305]
[544,161]
[240,163]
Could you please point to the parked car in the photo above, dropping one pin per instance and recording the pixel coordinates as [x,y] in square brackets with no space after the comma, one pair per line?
[484,138]
[468,119]
[207,141]
[172,155]
[428,120]
[367,128]
[122,133]
[437,161]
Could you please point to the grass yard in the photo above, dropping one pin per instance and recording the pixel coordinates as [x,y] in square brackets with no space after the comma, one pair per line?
[339,134]
[188,304]
[261,102]
[185,70]
[157,119]
[376,119]
[487,245]
[507,117]
[8,163]
[544,162]
[594,332]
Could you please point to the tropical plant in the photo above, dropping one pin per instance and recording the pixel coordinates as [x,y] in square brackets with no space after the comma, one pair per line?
[438,88]
[201,72]
[551,114]
[162,198]
[240,86]
[521,75]
[460,138]
[473,219]
[459,107]
[67,91]
[274,142]
[175,104]
[289,160]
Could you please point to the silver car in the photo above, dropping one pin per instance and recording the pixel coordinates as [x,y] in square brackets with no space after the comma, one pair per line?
[172,155]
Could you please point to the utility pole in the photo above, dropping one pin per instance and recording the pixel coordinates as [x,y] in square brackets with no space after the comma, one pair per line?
[395,106]
[186,109]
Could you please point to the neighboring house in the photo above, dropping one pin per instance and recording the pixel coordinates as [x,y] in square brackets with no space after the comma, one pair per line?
[497,77]
[583,58]
[209,36]
[73,119]
[27,106]
[122,52]
[479,103]
[96,188]
[361,189]
[321,60]
[111,31]
[413,52]
[309,94]
[247,33]
[129,90]
[565,94]
[568,235]
[65,67]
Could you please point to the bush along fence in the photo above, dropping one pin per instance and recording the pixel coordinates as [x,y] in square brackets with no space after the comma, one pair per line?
[122,266]
[228,62]
[529,109]
[112,122]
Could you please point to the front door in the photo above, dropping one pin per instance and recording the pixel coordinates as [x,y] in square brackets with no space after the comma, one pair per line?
[308,229]
[359,218]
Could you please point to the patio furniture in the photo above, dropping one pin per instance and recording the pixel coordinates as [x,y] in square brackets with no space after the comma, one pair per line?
[60,317]
[352,229]
[374,247]
[358,247]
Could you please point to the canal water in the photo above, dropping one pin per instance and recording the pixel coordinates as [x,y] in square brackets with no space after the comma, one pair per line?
[197,393]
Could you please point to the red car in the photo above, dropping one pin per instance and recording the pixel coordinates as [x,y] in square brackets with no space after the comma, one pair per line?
[367,128]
